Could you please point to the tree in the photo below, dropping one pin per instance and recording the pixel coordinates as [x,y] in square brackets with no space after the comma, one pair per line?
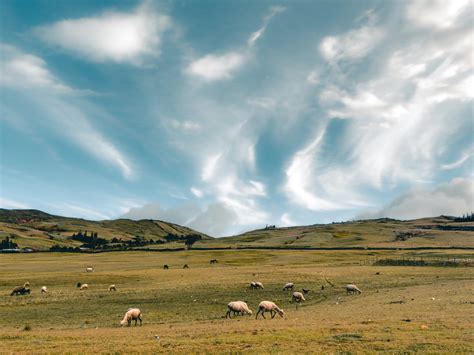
[191,239]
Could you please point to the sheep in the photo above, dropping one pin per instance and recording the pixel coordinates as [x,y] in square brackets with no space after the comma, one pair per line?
[185,266]
[256,285]
[213,261]
[239,307]
[166,267]
[44,289]
[132,314]
[20,290]
[82,286]
[267,306]
[298,298]
[89,269]
[288,286]
[352,289]
[112,288]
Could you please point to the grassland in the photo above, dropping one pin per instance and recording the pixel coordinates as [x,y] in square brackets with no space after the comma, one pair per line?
[40,231]
[185,307]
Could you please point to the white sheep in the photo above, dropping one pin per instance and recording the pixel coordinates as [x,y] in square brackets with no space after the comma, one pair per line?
[44,289]
[112,288]
[89,269]
[238,307]
[82,286]
[256,285]
[298,298]
[132,314]
[289,286]
[267,306]
[352,289]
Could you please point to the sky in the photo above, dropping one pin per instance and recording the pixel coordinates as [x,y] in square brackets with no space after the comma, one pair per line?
[225,116]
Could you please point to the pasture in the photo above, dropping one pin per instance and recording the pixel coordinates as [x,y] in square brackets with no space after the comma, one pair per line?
[401,309]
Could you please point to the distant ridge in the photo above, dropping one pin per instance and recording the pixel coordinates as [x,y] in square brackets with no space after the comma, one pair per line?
[41,231]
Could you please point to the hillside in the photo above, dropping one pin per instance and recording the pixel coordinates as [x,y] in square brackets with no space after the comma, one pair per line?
[387,233]
[40,230]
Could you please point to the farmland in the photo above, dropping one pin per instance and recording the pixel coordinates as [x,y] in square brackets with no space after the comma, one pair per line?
[401,309]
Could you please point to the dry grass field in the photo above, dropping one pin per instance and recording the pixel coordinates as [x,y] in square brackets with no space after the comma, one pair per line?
[402,309]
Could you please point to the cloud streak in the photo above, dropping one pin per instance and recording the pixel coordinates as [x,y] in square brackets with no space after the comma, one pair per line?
[119,37]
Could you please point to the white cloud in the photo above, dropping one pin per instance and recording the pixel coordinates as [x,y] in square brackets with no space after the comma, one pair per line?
[216,67]
[209,167]
[286,220]
[354,44]
[215,219]
[438,14]
[453,198]
[185,126]
[56,101]
[196,192]
[266,103]
[112,36]
[313,77]
[298,186]
[12,204]
[459,162]
[26,71]
[398,117]
[274,10]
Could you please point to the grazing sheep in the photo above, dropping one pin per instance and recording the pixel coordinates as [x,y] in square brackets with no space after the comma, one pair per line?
[89,269]
[256,285]
[238,307]
[112,288]
[44,289]
[82,286]
[267,306]
[132,314]
[185,266]
[298,298]
[20,290]
[289,286]
[213,261]
[351,289]
[166,267]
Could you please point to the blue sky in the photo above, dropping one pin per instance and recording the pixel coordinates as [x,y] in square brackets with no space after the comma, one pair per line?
[229,115]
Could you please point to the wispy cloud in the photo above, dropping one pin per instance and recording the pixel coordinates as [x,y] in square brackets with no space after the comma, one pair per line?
[8,203]
[216,67]
[402,107]
[30,76]
[112,36]
[213,67]
[352,45]
[453,198]
[27,71]
[197,192]
[459,162]
[274,10]
[436,14]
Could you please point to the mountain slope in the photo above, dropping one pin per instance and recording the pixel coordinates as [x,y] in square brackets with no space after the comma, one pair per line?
[40,230]
[427,232]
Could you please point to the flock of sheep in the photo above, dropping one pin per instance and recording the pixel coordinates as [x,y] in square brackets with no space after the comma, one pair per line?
[235,307]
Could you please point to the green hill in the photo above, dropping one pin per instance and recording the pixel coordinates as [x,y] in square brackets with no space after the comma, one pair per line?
[40,230]
[386,233]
